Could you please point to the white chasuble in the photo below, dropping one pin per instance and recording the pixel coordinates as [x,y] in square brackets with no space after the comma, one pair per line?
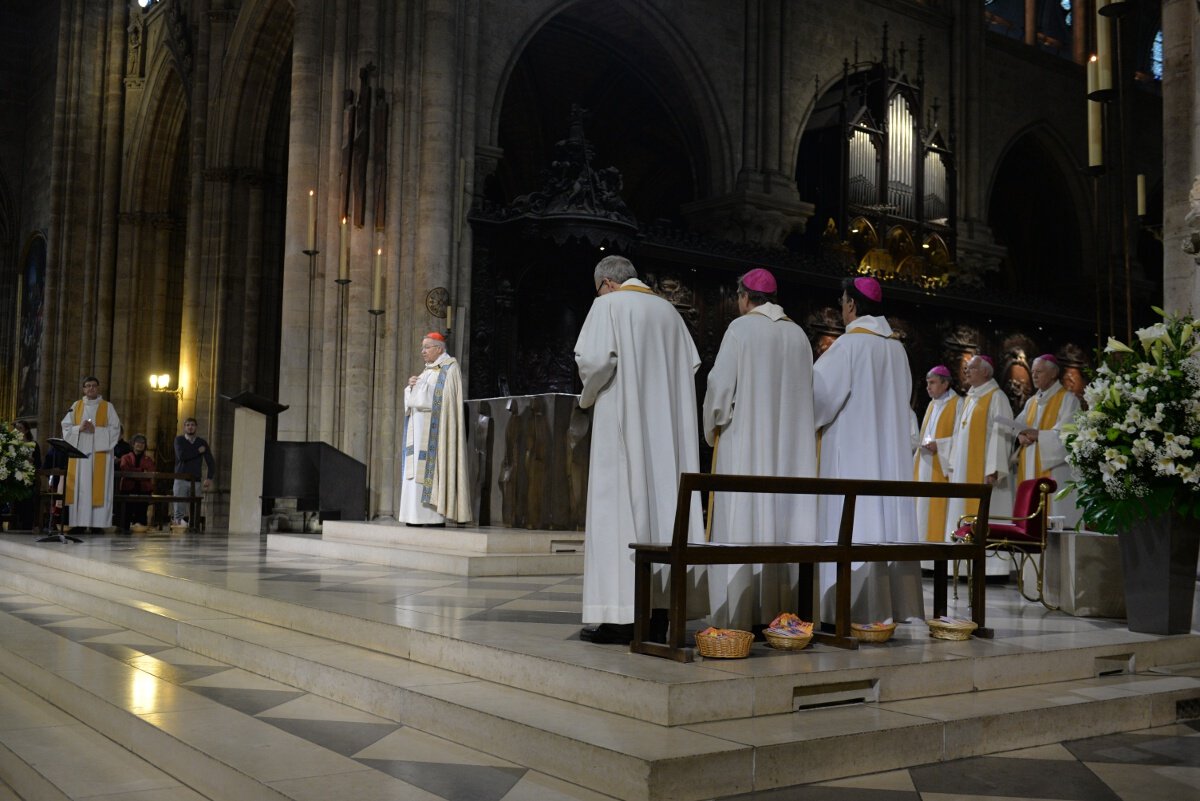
[89,482]
[759,402]
[981,447]
[434,485]
[1048,411]
[861,387]
[941,419]
[637,362]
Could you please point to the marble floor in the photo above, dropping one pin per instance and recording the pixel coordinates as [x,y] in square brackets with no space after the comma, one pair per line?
[348,753]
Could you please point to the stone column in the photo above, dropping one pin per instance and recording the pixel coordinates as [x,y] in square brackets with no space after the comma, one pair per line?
[765,206]
[298,387]
[1181,157]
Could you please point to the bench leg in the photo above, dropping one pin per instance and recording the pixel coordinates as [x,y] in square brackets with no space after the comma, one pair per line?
[939,589]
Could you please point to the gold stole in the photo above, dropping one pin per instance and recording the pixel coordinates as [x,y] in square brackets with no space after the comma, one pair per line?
[99,476]
[976,446]
[935,521]
[1050,415]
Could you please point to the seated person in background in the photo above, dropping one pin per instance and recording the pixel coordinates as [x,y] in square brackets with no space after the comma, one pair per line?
[136,461]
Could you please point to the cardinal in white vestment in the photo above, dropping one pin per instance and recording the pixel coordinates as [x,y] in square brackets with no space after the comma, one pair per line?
[981,448]
[861,386]
[1040,450]
[637,363]
[935,449]
[92,426]
[433,484]
[758,415]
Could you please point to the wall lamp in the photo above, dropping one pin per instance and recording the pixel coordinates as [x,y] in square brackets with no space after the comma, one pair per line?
[162,383]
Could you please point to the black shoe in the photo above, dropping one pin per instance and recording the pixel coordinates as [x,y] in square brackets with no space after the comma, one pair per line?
[77,530]
[608,634]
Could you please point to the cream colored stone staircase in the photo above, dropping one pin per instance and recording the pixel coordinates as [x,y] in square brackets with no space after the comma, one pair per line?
[469,551]
[631,727]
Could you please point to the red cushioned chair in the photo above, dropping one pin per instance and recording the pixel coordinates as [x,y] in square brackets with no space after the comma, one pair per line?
[1021,537]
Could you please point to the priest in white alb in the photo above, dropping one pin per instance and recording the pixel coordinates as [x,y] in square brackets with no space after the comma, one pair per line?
[981,449]
[93,427]
[862,385]
[758,416]
[934,449]
[433,484]
[637,363]
[1040,450]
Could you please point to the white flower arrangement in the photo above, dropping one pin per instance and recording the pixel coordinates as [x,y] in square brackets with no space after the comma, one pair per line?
[17,470]
[1136,448]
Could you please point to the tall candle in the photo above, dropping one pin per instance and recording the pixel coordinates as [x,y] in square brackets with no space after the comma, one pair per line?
[377,291]
[1141,195]
[1103,48]
[312,220]
[1095,135]
[450,313]
[343,254]
[1093,74]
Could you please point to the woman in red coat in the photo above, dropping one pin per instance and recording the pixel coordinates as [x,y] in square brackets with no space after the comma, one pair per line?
[137,462]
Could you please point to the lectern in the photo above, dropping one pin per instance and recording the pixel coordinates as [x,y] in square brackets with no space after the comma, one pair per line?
[249,448]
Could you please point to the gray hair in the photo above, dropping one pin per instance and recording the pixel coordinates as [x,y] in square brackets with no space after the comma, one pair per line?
[614,268]
[440,343]
[991,371]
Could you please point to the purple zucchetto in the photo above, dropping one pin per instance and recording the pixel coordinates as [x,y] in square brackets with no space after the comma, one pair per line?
[760,280]
[987,359]
[869,288]
[1047,357]
[941,370]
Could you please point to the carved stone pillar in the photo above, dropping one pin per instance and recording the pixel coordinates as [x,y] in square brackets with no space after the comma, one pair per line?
[1181,156]
[765,206]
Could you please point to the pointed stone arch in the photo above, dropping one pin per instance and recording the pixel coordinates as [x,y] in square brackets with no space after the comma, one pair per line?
[644,43]
[1038,207]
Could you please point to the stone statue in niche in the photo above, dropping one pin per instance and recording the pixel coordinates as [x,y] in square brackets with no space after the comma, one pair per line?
[348,111]
[1191,239]
[379,148]
[362,135]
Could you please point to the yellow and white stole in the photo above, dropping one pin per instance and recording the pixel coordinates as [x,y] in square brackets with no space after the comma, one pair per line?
[1042,422]
[936,520]
[976,424]
[99,473]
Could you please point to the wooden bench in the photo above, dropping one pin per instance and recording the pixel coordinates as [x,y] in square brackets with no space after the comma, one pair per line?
[48,496]
[680,554]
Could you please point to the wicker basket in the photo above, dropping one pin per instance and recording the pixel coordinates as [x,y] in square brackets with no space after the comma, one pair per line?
[138,528]
[735,646]
[786,643]
[952,629]
[874,633]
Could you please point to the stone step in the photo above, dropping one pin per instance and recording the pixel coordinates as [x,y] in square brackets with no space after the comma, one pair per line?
[465,562]
[655,690]
[47,754]
[478,539]
[626,758]
[597,744]
[584,746]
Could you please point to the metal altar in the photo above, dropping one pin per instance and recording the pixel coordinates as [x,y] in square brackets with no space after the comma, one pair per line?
[529,461]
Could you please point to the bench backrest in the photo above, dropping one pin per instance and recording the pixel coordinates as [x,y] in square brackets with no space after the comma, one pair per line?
[849,489]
